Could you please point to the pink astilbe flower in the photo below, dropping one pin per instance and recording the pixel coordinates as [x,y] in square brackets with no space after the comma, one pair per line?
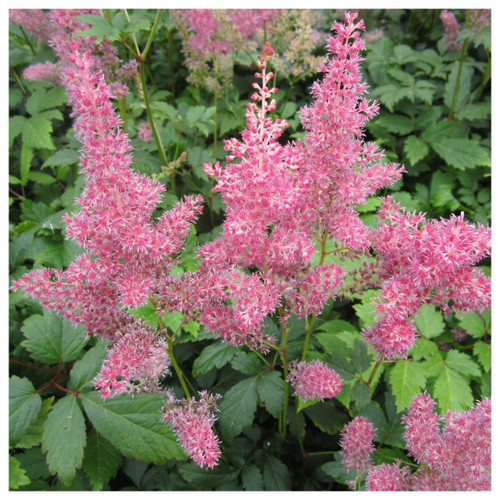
[313,380]
[192,421]
[356,444]
[145,133]
[135,362]
[388,477]
[424,262]
[451,30]
[341,169]
[34,21]
[127,256]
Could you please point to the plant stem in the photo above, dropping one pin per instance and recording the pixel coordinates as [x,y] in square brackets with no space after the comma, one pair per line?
[285,374]
[176,368]
[123,113]
[459,75]
[374,371]
[151,35]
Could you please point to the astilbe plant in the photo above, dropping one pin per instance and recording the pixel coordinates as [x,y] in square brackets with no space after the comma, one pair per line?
[284,204]
[453,452]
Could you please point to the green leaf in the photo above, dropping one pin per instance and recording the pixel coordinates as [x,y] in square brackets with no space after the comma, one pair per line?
[271,390]
[407,379]
[327,417]
[246,362]
[473,324]
[24,406]
[461,153]
[452,391]
[64,438]
[289,109]
[238,407]
[415,149]
[429,322]
[359,356]
[475,111]
[101,460]
[361,394]
[397,124]
[37,133]
[25,161]
[366,311]
[41,178]
[17,475]
[464,86]
[62,157]
[215,355]
[33,436]
[462,363]
[207,479]
[16,126]
[276,475]
[133,426]
[43,99]
[337,470]
[194,114]
[83,372]
[251,477]
[100,28]
[483,352]
[52,340]
[425,90]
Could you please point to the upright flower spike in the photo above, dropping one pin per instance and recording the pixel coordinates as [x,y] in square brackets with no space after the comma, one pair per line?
[422,261]
[356,444]
[314,380]
[135,363]
[192,421]
[127,257]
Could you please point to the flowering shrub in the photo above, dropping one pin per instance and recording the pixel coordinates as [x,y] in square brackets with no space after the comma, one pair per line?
[226,331]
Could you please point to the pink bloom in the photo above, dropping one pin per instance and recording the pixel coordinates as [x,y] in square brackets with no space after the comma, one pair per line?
[34,21]
[387,477]
[145,134]
[451,30]
[356,443]
[314,379]
[192,421]
[135,362]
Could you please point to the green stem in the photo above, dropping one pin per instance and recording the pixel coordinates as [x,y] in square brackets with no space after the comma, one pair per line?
[285,374]
[123,113]
[16,76]
[151,35]
[176,368]
[297,425]
[374,371]
[459,75]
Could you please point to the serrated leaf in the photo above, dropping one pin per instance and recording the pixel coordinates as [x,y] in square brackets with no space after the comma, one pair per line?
[246,362]
[238,407]
[206,479]
[251,477]
[361,394]
[37,133]
[41,178]
[407,379]
[133,426]
[462,363]
[464,85]
[17,475]
[64,438]
[452,391]
[25,163]
[360,358]
[100,27]
[424,349]
[34,463]
[62,157]
[85,369]
[461,153]
[398,124]
[415,149]
[337,470]
[271,390]
[16,125]
[429,321]
[215,355]
[52,340]
[473,324]
[327,417]
[101,460]
[24,407]
[276,475]
[194,114]
[33,436]
[483,352]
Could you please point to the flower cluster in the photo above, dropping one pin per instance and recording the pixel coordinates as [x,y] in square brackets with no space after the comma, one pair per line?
[313,380]
[420,262]
[479,18]
[127,257]
[192,421]
[356,444]
[135,363]
[212,36]
[453,452]
[60,29]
